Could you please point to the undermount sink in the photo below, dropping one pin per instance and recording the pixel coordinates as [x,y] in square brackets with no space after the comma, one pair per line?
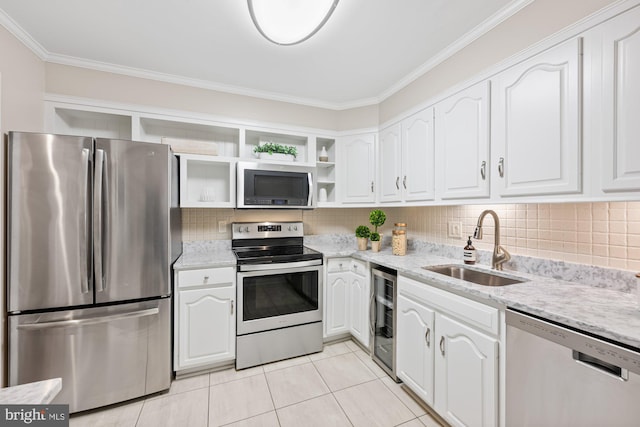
[471,275]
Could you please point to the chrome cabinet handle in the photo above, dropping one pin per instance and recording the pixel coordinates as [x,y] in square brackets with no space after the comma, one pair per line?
[232,307]
[397,182]
[372,186]
[442,345]
[404,182]
[501,167]
[427,337]
[483,170]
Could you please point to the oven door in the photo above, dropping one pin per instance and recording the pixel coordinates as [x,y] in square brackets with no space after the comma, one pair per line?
[279,297]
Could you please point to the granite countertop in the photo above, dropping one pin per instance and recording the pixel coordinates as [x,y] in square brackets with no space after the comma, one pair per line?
[38,393]
[591,307]
[207,254]
[593,299]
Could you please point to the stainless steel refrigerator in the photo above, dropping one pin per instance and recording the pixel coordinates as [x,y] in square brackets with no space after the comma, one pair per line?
[93,228]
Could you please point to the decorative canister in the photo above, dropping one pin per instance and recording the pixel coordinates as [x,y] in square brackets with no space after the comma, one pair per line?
[399,239]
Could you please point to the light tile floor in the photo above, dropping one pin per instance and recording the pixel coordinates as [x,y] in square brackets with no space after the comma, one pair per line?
[341,386]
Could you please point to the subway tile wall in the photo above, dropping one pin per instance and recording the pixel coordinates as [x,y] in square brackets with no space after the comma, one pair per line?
[602,234]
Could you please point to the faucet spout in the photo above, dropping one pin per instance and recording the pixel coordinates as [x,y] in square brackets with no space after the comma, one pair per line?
[500,254]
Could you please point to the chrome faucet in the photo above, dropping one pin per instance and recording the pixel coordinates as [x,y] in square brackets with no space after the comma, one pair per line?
[500,254]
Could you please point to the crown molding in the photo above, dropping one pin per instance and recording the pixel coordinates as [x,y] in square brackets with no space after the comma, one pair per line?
[203,84]
[26,39]
[464,41]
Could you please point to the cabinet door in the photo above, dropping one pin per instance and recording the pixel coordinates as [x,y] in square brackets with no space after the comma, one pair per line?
[620,107]
[336,319]
[462,143]
[418,162]
[415,347]
[466,375]
[536,124]
[359,302]
[357,177]
[207,327]
[390,164]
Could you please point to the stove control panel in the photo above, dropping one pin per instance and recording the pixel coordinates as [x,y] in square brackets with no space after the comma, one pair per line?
[258,230]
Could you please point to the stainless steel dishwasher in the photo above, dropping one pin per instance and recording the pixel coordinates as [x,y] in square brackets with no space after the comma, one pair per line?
[559,377]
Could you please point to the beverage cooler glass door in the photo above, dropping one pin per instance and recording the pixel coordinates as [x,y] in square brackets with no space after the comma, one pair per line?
[279,298]
[382,327]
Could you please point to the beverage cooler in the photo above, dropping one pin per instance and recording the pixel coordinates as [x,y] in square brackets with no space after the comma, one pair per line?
[383,319]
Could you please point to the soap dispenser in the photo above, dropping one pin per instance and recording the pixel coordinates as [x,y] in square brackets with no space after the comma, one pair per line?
[469,253]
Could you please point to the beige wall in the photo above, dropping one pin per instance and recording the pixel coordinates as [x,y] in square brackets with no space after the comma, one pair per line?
[21,108]
[81,82]
[602,234]
[22,85]
[532,24]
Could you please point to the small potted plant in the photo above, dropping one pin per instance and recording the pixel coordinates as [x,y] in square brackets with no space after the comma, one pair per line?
[377,219]
[375,241]
[275,151]
[362,233]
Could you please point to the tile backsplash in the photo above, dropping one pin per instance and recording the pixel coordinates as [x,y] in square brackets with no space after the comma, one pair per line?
[602,234]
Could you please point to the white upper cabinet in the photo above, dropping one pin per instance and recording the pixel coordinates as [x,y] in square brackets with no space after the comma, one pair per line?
[390,164]
[620,103]
[536,137]
[418,157]
[462,144]
[407,159]
[358,168]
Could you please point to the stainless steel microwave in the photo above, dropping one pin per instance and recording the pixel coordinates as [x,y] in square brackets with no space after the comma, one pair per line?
[270,185]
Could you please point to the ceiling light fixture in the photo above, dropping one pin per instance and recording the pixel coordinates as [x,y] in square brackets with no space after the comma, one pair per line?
[289,22]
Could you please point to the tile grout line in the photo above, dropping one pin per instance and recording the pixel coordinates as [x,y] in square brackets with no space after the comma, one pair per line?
[273,402]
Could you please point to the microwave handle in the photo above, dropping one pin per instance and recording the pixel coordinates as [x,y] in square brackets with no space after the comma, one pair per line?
[310,180]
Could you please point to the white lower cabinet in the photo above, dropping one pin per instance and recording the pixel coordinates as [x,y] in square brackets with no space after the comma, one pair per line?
[346,308]
[448,363]
[415,347]
[466,374]
[205,326]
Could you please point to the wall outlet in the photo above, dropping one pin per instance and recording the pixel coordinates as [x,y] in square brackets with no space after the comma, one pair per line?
[455,230]
[222,226]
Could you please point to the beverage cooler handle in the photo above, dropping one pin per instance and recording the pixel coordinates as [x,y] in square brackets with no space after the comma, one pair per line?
[372,313]
[84,236]
[97,220]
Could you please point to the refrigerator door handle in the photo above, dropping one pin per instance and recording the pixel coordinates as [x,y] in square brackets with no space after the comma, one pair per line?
[97,220]
[89,320]
[84,236]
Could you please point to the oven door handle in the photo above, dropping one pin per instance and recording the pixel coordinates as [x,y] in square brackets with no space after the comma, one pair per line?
[279,266]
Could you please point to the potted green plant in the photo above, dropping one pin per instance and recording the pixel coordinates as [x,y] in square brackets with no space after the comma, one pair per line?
[275,151]
[362,233]
[375,241]
[377,219]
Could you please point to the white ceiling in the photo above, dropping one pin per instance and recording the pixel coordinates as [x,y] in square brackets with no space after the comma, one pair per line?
[368,49]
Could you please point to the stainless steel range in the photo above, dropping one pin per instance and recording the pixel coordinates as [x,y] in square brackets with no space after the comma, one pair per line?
[279,293]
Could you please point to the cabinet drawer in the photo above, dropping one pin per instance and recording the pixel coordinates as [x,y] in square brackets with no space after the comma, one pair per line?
[359,268]
[338,265]
[207,276]
[474,313]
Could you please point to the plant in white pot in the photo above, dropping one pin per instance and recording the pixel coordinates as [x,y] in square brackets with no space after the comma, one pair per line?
[362,233]
[275,151]
[375,241]
[377,219]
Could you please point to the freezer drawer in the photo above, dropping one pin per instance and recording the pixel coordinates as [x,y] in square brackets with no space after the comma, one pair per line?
[104,355]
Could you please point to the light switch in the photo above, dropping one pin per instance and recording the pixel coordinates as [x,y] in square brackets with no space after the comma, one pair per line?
[455,230]
[222,226]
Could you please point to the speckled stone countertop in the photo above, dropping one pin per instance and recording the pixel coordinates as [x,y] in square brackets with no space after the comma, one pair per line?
[205,254]
[38,393]
[596,300]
